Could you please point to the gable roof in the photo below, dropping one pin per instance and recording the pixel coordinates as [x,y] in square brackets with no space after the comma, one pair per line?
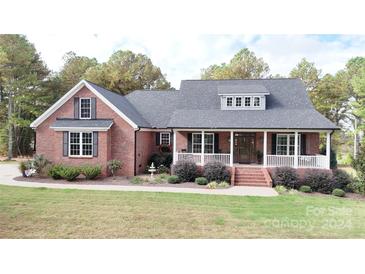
[116,102]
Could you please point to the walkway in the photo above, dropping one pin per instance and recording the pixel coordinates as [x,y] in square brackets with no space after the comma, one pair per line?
[9,171]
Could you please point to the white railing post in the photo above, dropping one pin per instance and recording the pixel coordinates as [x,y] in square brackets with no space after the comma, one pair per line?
[265,148]
[174,155]
[203,147]
[231,150]
[296,149]
[328,150]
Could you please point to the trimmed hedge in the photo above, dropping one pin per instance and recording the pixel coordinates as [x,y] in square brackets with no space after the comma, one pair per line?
[305,189]
[91,172]
[173,179]
[55,172]
[286,176]
[319,181]
[187,171]
[69,173]
[216,171]
[338,192]
[201,181]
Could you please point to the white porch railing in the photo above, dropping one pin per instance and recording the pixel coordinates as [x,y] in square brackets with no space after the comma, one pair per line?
[304,161]
[197,157]
[316,161]
[280,160]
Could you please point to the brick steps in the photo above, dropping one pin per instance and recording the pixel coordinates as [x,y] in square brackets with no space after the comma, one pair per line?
[252,177]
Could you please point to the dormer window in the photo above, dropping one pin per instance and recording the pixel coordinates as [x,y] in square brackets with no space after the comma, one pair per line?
[85,108]
[229,101]
[238,101]
[256,101]
[247,101]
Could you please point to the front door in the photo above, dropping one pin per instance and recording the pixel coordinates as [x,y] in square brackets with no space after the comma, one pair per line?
[244,148]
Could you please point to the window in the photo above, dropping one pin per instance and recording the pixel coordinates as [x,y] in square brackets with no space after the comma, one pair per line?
[256,101]
[85,108]
[238,101]
[197,143]
[285,144]
[247,101]
[165,138]
[81,144]
[229,101]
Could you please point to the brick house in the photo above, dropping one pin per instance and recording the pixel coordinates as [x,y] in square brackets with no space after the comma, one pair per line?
[256,124]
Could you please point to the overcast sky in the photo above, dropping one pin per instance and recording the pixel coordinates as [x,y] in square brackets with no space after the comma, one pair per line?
[183,56]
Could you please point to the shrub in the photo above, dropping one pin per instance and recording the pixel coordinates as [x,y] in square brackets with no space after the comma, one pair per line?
[163,169]
[186,171]
[173,179]
[40,163]
[201,181]
[286,176]
[158,159]
[55,172]
[114,165]
[281,189]
[306,189]
[359,165]
[212,185]
[137,180]
[357,186]
[338,192]
[163,176]
[216,171]
[341,179]
[223,184]
[69,173]
[319,181]
[91,172]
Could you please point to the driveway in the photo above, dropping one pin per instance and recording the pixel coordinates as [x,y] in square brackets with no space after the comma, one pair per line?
[10,171]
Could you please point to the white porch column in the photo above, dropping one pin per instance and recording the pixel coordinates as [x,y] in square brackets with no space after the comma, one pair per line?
[265,148]
[295,149]
[328,150]
[174,152]
[231,149]
[203,147]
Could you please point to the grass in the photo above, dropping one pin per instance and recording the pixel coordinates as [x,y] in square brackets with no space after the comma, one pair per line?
[56,213]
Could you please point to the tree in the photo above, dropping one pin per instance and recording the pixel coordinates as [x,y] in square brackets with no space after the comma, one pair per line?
[309,74]
[74,69]
[331,96]
[244,65]
[21,74]
[126,71]
[358,84]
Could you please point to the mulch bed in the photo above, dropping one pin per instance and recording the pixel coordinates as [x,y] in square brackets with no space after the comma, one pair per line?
[352,196]
[118,180]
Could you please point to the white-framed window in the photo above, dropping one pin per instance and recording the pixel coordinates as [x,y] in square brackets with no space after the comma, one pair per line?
[81,144]
[197,143]
[165,138]
[85,108]
[285,144]
[229,101]
[247,101]
[256,101]
[238,101]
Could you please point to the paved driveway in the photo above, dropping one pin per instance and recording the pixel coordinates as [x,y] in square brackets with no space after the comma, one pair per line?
[9,171]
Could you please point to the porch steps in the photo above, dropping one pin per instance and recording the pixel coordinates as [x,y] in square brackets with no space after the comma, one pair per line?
[247,176]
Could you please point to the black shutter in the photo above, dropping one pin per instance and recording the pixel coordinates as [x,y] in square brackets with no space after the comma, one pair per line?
[157,138]
[303,144]
[216,143]
[273,144]
[95,143]
[190,137]
[93,108]
[76,108]
[65,143]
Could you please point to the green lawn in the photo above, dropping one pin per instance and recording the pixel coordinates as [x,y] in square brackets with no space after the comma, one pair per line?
[50,213]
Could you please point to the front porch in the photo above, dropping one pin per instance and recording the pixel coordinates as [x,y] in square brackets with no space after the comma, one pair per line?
[263,148]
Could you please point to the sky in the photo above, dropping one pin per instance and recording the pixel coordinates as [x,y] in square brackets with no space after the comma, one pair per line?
[182,56]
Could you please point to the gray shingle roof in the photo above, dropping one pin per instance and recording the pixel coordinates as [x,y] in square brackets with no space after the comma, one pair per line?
[242,89]
[99,123]
[122,104]
[197,105]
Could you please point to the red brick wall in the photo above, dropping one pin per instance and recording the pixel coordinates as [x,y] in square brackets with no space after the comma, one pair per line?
[145,147]
[117,143]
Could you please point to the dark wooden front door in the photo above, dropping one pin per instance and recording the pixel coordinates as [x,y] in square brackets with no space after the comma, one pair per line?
[244,148]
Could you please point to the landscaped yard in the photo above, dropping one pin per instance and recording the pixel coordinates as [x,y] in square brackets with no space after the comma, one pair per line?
[51,213]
